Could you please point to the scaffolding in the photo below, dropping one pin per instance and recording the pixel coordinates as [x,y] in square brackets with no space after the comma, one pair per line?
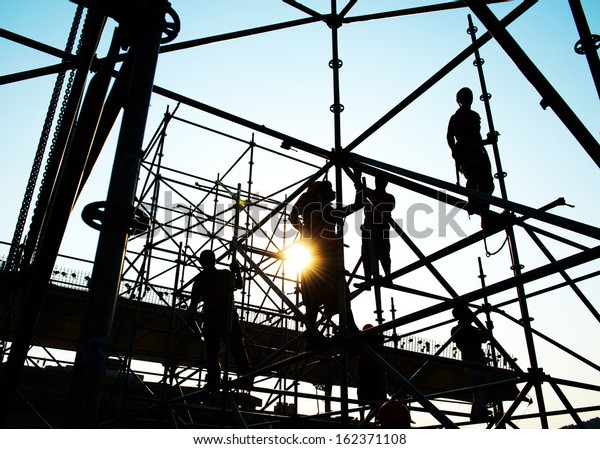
[139,362]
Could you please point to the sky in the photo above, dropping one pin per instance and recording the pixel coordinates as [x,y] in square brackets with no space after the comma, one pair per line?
[282,80]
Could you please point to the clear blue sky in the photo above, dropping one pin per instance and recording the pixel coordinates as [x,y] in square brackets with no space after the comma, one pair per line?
[282,80]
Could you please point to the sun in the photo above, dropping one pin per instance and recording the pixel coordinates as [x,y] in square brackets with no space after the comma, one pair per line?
[296,258]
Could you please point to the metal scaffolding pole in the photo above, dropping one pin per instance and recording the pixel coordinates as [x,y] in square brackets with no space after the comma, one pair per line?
[334,23]
[486,97]
[588,44]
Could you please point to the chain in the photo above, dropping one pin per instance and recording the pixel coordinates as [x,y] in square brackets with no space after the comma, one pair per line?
[13,260]
[15,248]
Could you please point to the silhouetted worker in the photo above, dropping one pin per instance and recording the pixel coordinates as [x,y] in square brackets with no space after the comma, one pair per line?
[371,377]
[468,340]
[464,139]
[322,282]
[375,248]
[394,414]
[215,288]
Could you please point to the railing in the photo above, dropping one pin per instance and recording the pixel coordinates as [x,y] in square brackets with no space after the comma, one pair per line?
[161,295]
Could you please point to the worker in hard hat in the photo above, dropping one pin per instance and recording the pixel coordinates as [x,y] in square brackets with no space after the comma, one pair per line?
[468,150]
[394,414]
[371,385]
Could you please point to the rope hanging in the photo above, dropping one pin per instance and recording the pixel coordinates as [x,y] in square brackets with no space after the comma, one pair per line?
[487,252]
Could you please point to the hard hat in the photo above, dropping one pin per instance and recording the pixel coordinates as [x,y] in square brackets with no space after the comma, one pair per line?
[464,94]
[393,412]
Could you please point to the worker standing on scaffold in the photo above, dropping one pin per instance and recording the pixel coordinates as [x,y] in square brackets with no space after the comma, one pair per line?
[375,245]
[215,288]
[468,340]
[318,222]
[464,139]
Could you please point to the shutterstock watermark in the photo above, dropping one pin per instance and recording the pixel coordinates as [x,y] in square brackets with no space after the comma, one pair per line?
[417,228]
[417,220]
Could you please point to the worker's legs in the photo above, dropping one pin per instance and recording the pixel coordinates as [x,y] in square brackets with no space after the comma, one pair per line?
[311,313]
[365,251]
[237,347]
[382,253]
[212,340]
[479,410]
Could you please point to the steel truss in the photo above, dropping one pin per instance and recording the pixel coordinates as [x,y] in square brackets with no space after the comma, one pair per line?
[163,241]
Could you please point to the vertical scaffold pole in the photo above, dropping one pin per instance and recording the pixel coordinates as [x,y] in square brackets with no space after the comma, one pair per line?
[215,212]
[489,324]
[485,97]
[588,43]
[500,33]
[335,22]
[246,298]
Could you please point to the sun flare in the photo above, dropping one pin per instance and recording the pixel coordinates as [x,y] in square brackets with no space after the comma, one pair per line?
[297,257]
